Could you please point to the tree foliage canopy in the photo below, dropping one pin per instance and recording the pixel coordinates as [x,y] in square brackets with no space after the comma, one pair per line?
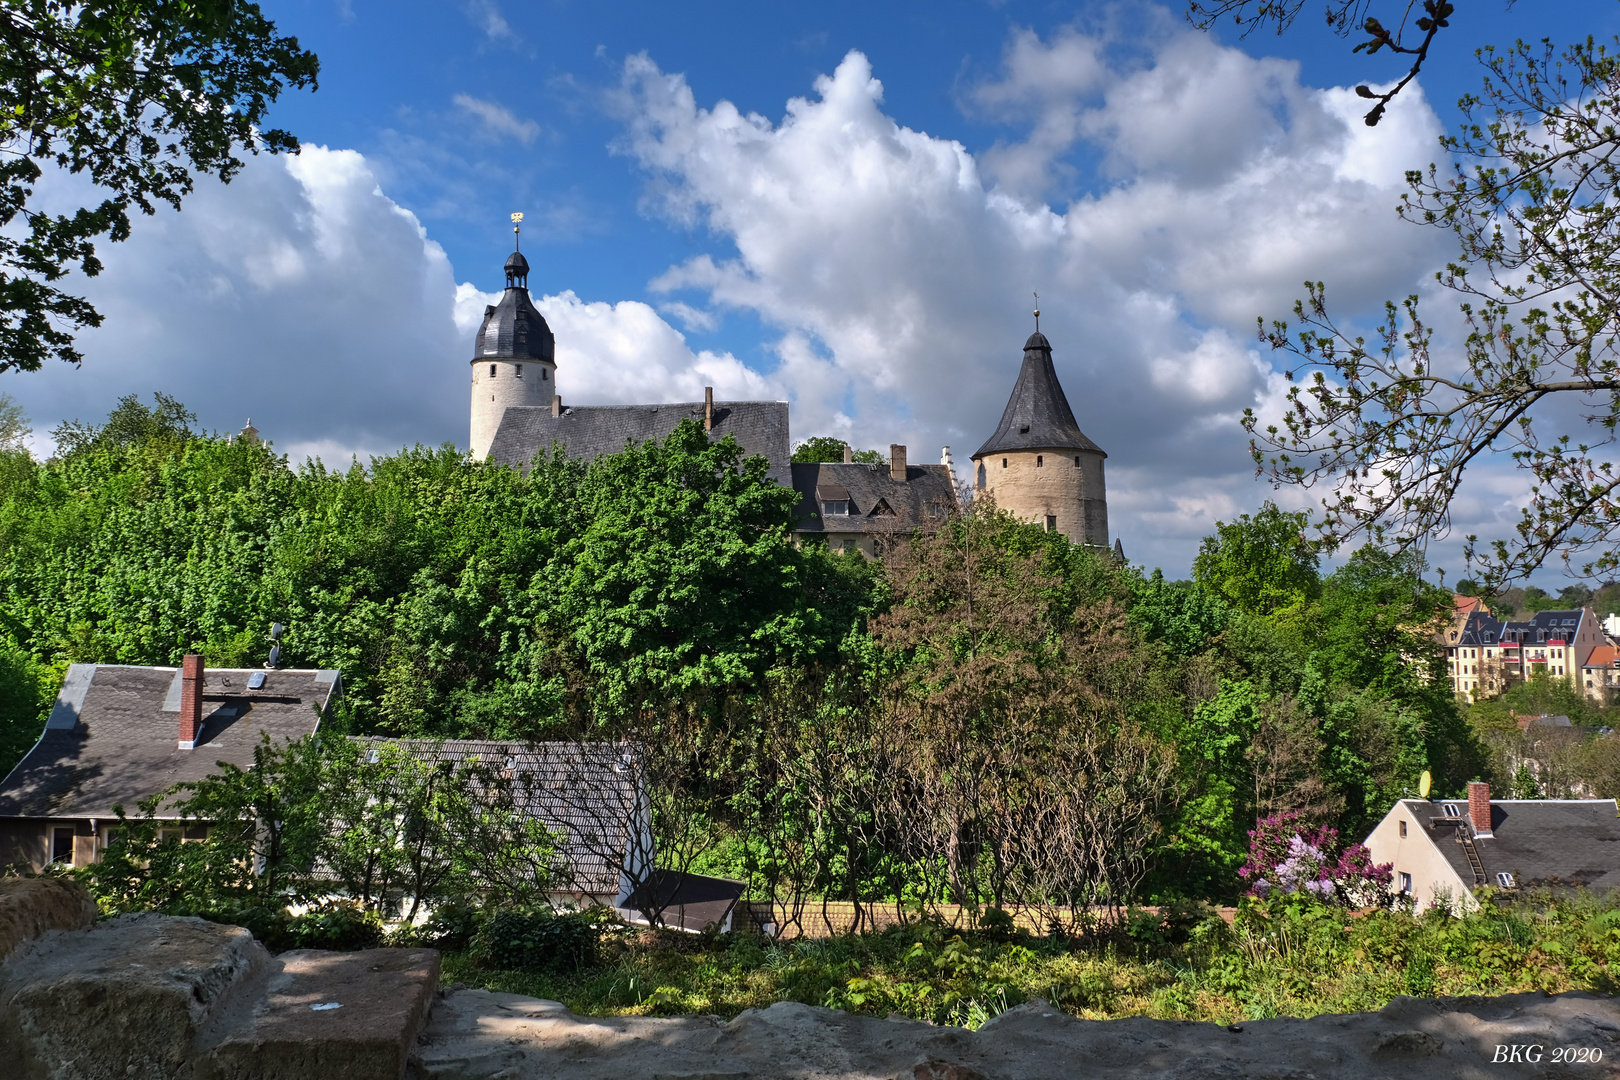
[1392,426]
[137,95]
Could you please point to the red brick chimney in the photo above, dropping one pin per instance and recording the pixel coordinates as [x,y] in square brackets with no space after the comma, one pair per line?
[1479,807]
[191,693]
[897,462]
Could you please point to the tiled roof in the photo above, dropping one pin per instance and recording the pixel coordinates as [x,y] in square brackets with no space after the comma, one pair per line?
[1037,416]
[586,791]
[590,431]
[1466,604]
[1539,841]
[927,492]
[1602,656]
[112,737]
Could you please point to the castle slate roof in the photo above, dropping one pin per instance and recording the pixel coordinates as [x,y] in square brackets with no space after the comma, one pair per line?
[1541,842]
[1037,416]
[878,504]
[112,736]
[590,431]
[514,329]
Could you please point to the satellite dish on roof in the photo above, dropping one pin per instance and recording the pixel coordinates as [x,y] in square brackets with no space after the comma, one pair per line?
[1425,782]
[276,630]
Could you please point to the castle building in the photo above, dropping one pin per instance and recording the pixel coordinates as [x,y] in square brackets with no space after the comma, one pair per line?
[1044,469]
[1039,466]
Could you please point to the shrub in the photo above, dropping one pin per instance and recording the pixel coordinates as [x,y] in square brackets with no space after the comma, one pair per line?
[536,939]
[1286,856]
[342,926]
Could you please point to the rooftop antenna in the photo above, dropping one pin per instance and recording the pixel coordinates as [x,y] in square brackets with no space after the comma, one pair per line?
[517,228]
[1037,313]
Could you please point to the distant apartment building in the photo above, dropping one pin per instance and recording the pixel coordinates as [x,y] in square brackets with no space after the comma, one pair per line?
[1485,655]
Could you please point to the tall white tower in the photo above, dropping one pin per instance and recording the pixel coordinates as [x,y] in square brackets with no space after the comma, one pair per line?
[514,356]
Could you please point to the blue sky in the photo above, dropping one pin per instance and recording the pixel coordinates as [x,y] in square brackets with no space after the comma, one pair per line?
[846,205]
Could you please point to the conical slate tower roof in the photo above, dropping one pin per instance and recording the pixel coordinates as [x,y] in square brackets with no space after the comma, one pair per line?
[1038,416]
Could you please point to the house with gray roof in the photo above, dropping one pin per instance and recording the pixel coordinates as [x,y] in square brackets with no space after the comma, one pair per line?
[118,734]
[1442,850]
[857,507]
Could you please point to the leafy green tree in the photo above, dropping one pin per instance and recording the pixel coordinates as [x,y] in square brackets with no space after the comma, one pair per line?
[1392,426]
[827,448]
[134,95]
[13,425]
[1182,614]
[1260,565]
[129,424]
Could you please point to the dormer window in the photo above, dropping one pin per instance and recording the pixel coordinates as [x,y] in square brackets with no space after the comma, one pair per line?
[834,499]
[834,506]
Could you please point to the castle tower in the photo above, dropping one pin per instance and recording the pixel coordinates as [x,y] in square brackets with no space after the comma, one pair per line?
[514,357]
[1039,466]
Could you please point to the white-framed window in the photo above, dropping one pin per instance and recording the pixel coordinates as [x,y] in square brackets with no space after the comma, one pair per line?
[1404,881]
[1505,879]
[835,506]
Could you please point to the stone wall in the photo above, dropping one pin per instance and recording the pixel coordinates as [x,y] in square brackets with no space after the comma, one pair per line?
[1033,485]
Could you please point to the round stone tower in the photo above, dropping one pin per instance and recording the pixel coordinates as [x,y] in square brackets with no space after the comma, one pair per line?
[514,358]
[1039,466]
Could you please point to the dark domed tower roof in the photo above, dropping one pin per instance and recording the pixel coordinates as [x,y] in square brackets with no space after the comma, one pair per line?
[514,328]
[1037,416]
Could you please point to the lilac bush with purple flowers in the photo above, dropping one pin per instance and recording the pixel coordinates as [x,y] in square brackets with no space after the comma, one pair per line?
[1287,856]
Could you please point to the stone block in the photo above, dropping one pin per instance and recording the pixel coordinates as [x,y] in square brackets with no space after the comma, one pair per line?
[31,906]
[126,998]
[350,1015]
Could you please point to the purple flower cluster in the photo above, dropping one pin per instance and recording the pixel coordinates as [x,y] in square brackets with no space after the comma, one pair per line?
[1286,856]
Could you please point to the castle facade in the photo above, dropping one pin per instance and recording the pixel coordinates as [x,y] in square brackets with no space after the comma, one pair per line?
[1038,465]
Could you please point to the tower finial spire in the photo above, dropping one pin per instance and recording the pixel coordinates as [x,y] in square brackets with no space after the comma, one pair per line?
[517,228]
[1037,313]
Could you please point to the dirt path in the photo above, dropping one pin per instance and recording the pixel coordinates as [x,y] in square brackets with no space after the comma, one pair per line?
[477,1035]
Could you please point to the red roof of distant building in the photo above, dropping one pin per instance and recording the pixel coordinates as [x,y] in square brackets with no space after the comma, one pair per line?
[1603,656]
[1467,605]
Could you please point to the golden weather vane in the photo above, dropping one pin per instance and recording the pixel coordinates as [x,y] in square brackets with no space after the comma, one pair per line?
[517,225]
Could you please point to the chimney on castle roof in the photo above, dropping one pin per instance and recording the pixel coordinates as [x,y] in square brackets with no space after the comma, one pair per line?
[897,462]
[708,408]
[556,404]
[849,454]
[191,697]
[1479,807]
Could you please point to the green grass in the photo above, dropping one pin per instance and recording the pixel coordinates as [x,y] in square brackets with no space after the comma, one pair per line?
[1277,960]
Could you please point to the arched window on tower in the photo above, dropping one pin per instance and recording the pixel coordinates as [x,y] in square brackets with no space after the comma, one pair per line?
[546,375]
[1040,461]
[981,474]
[492,371]
[1077,461]
[520,371]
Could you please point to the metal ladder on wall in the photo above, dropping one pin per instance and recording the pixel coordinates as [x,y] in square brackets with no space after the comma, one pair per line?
[1472,852]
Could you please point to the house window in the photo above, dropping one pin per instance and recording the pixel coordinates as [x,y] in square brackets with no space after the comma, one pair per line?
[62,846]
[492,371]
[835,506]
[1040,461]
[1051,523]
[1505,879]
[1405,882]
[1403,828]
